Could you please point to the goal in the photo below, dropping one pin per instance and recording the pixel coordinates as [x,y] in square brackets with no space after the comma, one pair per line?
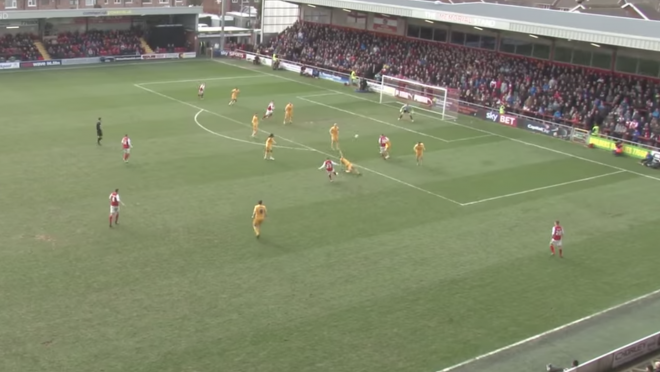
[438,100]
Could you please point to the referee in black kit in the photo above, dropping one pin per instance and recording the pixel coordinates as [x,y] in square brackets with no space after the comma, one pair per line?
[99,132]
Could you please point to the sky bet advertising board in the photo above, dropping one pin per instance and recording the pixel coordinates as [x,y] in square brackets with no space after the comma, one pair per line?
[504,119]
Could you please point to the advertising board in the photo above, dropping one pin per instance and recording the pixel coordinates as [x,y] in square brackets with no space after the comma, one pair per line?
[635,350]
[504,119]
[31,64]
[468,109]
[547,128]
[290,67]
[413,97]
[127,58]
[629,149]
[621,356]
[80,61]
[335,78]
[9,65]
[160,56]
[240,55]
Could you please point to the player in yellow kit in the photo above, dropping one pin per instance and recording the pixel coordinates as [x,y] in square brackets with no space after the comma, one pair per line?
[288,113]
[348,166]
[255,124]
[268,155]
[419,152]
[234,96]
[258,217]
[334,137]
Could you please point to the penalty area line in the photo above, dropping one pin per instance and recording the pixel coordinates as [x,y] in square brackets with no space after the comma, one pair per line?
[199,80]
[299,144]
[554,330]
[469,138]
[196,118]
[541,188]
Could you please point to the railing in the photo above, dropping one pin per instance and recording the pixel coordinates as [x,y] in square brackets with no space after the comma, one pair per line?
[511,119]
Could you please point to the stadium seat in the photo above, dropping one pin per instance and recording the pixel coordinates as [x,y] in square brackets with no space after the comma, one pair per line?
[95,43]
[18,47]
[569,95]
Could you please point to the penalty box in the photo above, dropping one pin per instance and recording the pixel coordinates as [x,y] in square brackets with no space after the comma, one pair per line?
[317,98]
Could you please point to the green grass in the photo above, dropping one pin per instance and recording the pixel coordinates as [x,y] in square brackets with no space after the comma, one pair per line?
[371,273]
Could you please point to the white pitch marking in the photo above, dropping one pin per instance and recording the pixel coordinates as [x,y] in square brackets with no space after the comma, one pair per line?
[372,119]
[459,125]
[332,93]
[199,80]
[541,188]
[469,138]
[210,112]
[238,139]
[554,330]
[302,145]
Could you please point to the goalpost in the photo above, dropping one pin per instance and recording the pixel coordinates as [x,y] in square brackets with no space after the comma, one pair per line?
[438,100]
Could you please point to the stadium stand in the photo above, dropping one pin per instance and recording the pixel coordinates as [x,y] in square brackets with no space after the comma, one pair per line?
[95,43]
[169,40]
[623,106]
[18,47]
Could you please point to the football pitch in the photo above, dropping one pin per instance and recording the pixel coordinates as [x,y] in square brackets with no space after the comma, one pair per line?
[404,268]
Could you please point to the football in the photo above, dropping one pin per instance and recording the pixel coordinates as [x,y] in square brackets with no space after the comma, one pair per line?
[356,136]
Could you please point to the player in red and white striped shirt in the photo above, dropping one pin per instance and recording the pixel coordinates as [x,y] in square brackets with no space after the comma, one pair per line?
[555,242]
[114,206]
[329,167]
[269,110]
[384,144]
[200,91]
[126,145]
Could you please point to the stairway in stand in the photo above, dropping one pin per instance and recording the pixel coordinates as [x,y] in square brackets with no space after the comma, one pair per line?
[42,49]
[145,46]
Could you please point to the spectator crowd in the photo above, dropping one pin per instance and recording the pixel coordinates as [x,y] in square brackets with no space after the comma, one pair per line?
[19,47]
[623,106]
[95,44]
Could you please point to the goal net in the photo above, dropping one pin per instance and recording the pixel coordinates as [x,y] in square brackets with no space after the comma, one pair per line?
[438,100]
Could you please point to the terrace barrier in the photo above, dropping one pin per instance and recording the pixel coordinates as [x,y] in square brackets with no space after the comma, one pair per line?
[532,124]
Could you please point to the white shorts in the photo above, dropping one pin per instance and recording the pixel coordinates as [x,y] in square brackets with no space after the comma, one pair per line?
[383,149]
[201,92]
[114,210]
[269,112]
[127,151]
[555,243]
